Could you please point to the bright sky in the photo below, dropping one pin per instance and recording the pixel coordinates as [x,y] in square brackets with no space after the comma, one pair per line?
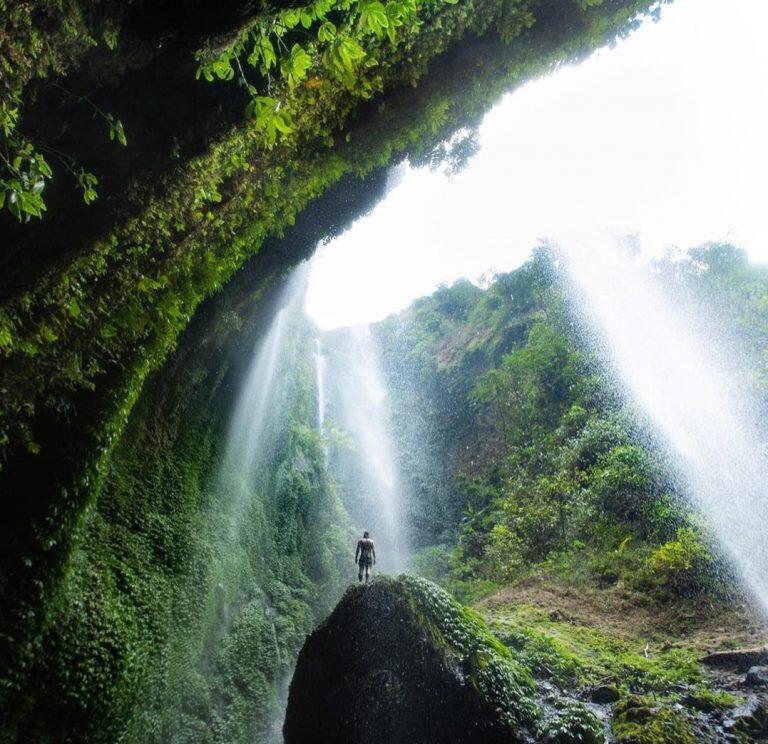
[666,136]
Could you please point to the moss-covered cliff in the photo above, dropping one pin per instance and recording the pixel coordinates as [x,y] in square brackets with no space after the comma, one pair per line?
[107,572]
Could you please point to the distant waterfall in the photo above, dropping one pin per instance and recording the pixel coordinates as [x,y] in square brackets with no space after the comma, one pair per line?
[367,471]
[320,382]
[258,412]
[674,372]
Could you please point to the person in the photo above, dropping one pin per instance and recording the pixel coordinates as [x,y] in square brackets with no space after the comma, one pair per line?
[365,556]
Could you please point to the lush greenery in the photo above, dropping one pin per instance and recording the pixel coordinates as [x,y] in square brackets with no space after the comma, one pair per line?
[536,490]
[124,612]
[186,600]
[532,456]
[95,301]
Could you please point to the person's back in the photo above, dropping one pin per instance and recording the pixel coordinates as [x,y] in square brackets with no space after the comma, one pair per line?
[365,556]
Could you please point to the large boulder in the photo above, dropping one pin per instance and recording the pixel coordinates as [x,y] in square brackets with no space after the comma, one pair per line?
[399,661]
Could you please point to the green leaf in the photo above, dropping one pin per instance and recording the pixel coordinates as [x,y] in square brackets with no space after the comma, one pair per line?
[291,18]
[306,19]
[322,8]
[268,118]
[326,32]
[295,68]
[110,39]
[222,67]
[263,50]
[43,167]
[116,131]
[73,308]
[373,18]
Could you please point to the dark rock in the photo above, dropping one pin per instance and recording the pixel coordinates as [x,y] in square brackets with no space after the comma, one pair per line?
[700,702]
[399,662]
[738,660]
[757,676]
[749,721]
[604,694]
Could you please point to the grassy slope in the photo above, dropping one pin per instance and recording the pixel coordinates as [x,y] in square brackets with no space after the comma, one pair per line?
[580,636]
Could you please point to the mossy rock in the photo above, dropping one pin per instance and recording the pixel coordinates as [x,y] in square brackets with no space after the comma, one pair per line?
[400,661]
[639,720]
[750,724]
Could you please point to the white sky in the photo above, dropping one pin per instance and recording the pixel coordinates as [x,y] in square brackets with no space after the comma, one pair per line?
[665,135]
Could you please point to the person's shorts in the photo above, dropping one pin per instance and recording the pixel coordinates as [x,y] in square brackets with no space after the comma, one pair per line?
[366,561]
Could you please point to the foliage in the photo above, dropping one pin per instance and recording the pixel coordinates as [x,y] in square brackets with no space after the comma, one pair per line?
[494,672]
[575,723]
[545,463]
[640,720]
[40,39]
[81,333]
[682,561]
[172,625]
[579,655]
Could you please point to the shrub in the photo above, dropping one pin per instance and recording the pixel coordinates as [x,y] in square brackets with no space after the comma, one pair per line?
[682,562]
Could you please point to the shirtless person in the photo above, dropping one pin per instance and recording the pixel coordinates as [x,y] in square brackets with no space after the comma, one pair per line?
[365,556]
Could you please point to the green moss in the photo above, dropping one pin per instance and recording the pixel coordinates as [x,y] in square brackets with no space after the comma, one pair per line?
[707,700]
[577,654]
[495,673]
[179,615]
[640,721]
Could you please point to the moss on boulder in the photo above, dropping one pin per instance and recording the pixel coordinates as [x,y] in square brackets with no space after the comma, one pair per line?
[638,720]
[400,661]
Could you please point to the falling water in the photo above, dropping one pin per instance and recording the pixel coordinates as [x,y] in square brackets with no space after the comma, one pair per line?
[257,412]
[359,401]
[258,425]
[320,381]
[675,372]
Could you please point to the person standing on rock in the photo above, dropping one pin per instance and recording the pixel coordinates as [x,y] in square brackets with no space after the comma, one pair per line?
[365,556]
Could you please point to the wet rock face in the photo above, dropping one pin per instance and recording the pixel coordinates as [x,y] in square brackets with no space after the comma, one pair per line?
[381,670]
[757,676]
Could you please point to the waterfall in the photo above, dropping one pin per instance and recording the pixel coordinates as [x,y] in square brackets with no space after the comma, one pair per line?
[244,481]
[367,474]
[676,373]
[257,413]
[320,382]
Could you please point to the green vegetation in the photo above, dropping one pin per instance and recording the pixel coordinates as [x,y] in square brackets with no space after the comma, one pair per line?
[133,609]
[494,672]
[95,304]
[42,40]
[640,720]
[182,607]
[532,457]
[574,655]
[530,469]
[575,723]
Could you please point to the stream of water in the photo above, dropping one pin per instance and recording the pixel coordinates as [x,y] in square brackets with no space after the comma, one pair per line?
[366,469]
[676,372]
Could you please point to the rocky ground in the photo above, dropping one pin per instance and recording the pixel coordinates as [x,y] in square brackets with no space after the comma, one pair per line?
[653,674]
[401,661]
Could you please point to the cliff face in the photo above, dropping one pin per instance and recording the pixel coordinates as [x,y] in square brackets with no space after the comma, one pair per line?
[162,631]
[398,661]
